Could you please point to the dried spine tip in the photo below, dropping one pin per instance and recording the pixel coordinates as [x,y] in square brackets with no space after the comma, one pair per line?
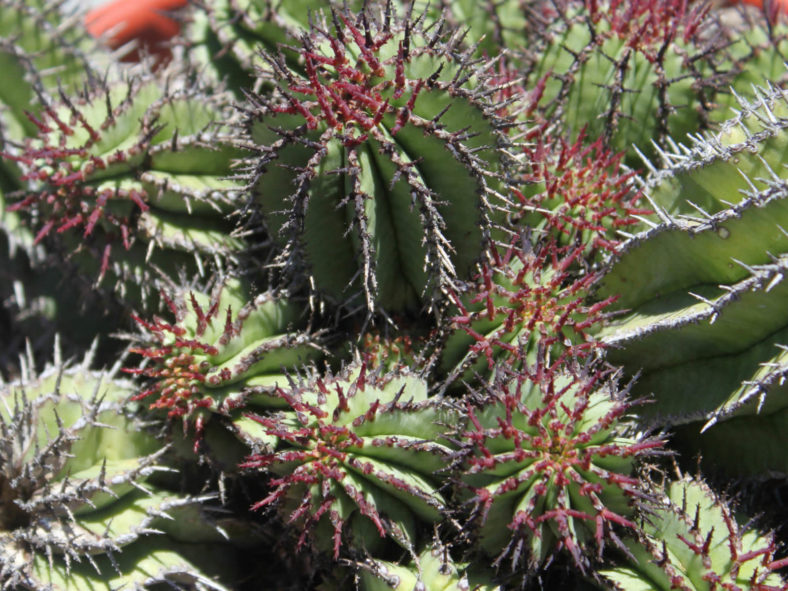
[385,152]
[549,452]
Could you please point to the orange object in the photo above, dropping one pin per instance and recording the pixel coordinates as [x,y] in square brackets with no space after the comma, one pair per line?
[148,22]
[779,5]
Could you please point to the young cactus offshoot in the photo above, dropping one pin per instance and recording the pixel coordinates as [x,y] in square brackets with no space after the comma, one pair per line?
[525,299]
[224,350]
[380,166]
[549,459]
[356,458]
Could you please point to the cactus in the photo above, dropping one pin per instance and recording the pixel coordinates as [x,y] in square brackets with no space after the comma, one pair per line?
[132,164]
[224,350]
[382,283]
[549,453]
[526,300]
[78,487]
[694,542]
[632,72]
[432,570]
[707,329]
[386,155]
[356,457]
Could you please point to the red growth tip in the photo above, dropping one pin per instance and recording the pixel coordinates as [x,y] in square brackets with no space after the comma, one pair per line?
[177,365]
[349,87]
[529,299]
[68,198]
[582,194]
[545,435]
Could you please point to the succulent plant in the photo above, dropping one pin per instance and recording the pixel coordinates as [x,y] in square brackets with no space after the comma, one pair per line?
[41,47]
[77,487]
[694,542]
[136,165]
[526,300]
[432,570]
[632,72]
[550,453]
[225,349]
[386,154]
[705,292]
[356,458]
[440,253]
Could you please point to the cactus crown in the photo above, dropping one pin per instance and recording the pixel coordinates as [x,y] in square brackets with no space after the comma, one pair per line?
[388,140]
[549,452]
[357,450]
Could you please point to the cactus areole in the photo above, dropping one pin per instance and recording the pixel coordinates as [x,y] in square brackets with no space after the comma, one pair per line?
[379,164]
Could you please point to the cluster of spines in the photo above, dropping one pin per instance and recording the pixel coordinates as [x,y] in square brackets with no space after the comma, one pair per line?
[526,298]
[580,191]
[321,456]
[355,99]
[537,435]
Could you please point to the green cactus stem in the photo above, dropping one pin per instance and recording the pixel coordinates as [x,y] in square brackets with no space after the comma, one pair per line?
[381,165]
[224,350]
[631,72]
[705,292]
[76,486]
[432,570]
[526,299]
[356,459]
[42,48]
[549,458]
[694,542]
[137,165]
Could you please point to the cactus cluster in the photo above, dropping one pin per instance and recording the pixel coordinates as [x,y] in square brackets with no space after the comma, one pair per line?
[393,295]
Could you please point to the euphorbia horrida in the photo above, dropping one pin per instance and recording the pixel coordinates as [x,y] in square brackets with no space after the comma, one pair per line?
[356,457]
[549,452]
[380,165]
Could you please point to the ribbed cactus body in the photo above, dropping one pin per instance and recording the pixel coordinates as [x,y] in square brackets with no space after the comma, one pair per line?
[41,49]
[549,460]
[356,458]
[695,542]
[76,487]
[631,72]
[224,350]
[432,570]
[379,167]
[705,292]
[527,300]
[128,168]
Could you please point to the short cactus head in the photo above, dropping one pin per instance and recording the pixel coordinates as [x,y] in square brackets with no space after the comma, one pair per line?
[127,167]
[694,542]
[578,192]
[525,299]
[549,454]
[224,349]
[76,487]
[355,458]
[379,164]
[631,72]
